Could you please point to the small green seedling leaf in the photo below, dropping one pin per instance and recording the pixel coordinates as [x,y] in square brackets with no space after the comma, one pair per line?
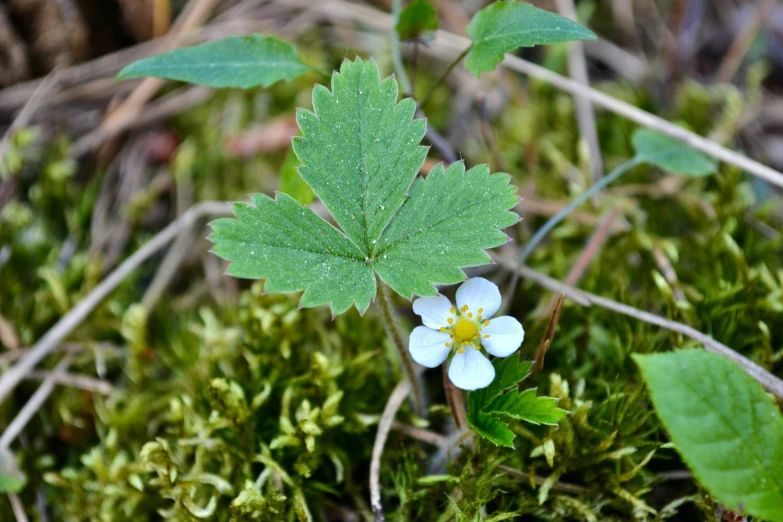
[490,408]
[12,480]
[292,183]
[504,26]
[11,484]
[360,153]
[671,155]
[418,18]
[725,426]
[238,61]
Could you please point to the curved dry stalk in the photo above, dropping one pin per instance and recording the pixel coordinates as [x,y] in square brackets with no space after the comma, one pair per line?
[17,507]
[33,404]
[447,45]
[78,313]
[585,116]
[454,399]
[396,399]
[772,384]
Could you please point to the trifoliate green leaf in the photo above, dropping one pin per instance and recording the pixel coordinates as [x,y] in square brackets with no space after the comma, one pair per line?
[725,426]
[527,407]
[503,26]
[417,18]
[449,218]
[238,61]
[671,155]
[360,152]
[294,249]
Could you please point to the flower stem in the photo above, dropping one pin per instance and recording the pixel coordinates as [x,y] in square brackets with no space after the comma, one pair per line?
[394,332]
[454,399]
[443,76]
[557,218]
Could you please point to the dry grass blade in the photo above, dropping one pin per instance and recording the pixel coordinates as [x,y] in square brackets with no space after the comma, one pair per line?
[25,116]
[396,399]
[33,404]
[82,382]
[447,46]
[123,115]
[17,507]
[546,342]
[771,383]
[78,313]
[585,116]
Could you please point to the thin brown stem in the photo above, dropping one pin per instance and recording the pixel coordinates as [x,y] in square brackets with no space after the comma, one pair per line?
[454,400]
[394,332]
[771,383]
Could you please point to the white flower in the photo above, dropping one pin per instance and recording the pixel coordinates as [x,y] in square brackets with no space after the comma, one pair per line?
[464,331]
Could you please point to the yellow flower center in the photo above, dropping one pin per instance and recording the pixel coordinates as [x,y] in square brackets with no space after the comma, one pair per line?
[465,330]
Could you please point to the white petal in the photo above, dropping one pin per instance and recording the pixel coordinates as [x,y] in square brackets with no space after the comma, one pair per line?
[479,293]
[471,370]
[428,346]
[505,336]
[434,311]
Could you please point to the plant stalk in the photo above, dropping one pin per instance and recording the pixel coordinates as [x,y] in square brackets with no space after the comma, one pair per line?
[396,55]
[443,76]
[394,332]
[557,218]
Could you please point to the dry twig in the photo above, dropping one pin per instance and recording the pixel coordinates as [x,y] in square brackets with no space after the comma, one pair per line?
[396,399]
[24,117]
[447,46]
[33,404]
[82,382]
[78,313]
[771,383]
[585,117]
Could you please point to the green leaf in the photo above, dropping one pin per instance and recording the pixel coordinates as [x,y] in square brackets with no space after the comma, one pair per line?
[292,183]
[417,18]
[294,249]
[238,61]
[503,26]
[527,407]
[449,219]
[11,484]
[360,152]
[671,155]
[488,421]
[725,426]
[12,480]
[490,428]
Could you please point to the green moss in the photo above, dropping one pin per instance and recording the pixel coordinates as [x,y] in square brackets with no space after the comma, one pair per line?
[228,404]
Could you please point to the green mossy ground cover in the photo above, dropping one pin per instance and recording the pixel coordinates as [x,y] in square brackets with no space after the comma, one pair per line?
[220,388]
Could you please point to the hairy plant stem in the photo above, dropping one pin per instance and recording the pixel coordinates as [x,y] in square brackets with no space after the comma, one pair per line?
[389,320]
[443,76]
